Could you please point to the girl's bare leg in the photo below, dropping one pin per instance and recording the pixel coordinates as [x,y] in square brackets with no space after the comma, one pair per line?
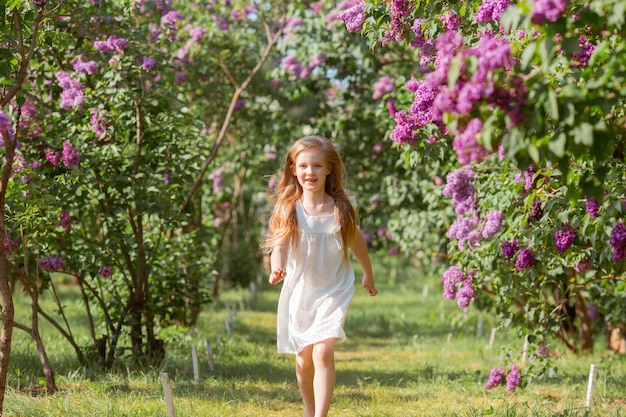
[305,373]
[324,378]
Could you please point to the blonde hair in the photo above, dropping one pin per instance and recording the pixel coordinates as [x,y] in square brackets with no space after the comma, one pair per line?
[283,223]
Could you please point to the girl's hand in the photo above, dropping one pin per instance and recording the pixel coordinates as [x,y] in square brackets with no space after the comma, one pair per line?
[368,284]
[276,276]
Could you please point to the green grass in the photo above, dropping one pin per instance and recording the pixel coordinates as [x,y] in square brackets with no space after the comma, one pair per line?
[403,357]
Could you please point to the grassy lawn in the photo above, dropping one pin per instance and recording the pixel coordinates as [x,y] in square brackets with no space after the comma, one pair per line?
[408,353]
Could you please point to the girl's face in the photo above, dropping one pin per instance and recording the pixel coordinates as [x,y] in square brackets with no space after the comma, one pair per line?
[311,169]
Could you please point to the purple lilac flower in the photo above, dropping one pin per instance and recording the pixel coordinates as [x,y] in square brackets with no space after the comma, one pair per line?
[451,277]
[52,156]
[424,96]
[513,379]
[9,245]
[148,63]
[586,50]
[496,376]
[543,351]
[463,229]
[88,67]
[467,148]
[491,10]
[458,185]
[70,155]
[73,91]
[618,242]
[5,125]
[419,41]
[529,178]
[400,12]
[39,3]
[113,44]
[510,248]
[317,60]
[525,259]
[564,238]
[354,17]
[406,126]
[393,251]
[196,33]
[65,221]
[169,19]
[583,265]
[592,207]
[536,211]
[465,294]
[492,226]
[51,264]
[106,271]
[548,10]
[451,21]
[382,87]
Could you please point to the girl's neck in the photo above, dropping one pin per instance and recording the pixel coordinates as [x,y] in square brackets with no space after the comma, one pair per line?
[318,205]
[316,199]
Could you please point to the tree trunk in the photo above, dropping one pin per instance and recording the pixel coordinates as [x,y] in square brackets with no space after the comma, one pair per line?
[8,309]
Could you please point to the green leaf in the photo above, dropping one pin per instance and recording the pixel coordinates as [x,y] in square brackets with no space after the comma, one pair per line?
[557,145]
[583,134]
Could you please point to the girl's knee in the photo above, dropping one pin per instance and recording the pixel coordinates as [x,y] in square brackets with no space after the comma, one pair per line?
[324,352]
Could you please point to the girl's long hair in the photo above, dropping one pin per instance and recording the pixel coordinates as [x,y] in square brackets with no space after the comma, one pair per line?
[283,223]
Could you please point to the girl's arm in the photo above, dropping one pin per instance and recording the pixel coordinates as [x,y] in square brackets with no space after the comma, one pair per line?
[359,249]
[278,260]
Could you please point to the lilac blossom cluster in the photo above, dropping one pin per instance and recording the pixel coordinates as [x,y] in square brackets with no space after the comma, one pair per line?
[5,126]
[474,87]
[468,227]
[65,221]
[353,16]
[618,242]
[113,44]
[564,238]
[497,377]
[525,259]
[586,50]
[293,65]
[106,271]
[400,14]
[592,207]
[491,10]
[73,91]
[459,186]
[548,10]
[458,285]
[382,87]
[69,156]
[51,264]
[509,248]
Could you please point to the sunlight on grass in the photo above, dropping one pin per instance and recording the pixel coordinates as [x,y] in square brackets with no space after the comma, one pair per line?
[408,353]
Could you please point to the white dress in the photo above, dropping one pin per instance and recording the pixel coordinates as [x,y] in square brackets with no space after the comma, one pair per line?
[318,285]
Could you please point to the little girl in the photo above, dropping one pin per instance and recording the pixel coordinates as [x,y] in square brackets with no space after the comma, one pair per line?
[313,224]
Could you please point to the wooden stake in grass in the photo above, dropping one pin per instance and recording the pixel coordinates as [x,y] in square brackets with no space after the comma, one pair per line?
[230,316]
[196,368]
[479,326]
[425,291]
[209,351]
[167,390]
[525,350]
[227,325]
[592,375]
[492,338]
